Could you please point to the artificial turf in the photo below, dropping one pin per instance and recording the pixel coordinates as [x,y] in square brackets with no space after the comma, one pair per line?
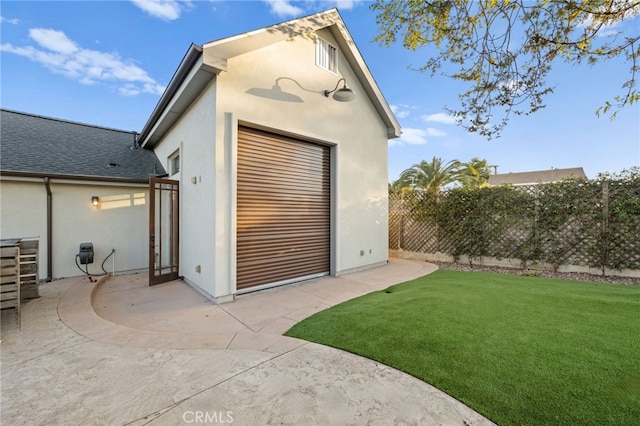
[519,350]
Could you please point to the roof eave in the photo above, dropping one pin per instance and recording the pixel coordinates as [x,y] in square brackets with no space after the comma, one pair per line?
[14,173]
[201,64]
[186,84]
[219,51]
[368,82]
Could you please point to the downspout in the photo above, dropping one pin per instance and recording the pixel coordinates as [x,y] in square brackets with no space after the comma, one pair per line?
[49,231]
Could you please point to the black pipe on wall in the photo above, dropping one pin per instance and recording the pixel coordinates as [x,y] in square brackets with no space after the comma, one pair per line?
[49,230]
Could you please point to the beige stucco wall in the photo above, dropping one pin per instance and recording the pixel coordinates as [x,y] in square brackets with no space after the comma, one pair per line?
[23,214]
[207,133]
[120,222]
[354,129]
[193,135]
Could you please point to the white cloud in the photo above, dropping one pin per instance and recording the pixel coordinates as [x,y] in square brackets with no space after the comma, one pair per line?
[346,4]
[56,41]
[401,111]
[283,8]
[9,21]
[439,117]
[61,55]
[167,10]
[410,136]
[435,132]
[286,8]
[611,28]
[129,90]
[608,32]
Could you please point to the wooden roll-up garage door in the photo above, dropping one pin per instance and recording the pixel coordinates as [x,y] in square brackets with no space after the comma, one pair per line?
[283,209]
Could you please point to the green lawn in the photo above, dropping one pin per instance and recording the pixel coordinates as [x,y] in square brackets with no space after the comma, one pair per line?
[519,350]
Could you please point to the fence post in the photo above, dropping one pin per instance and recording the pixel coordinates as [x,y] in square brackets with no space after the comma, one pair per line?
[605,225]
[436,209]
[401,223]
[536,219]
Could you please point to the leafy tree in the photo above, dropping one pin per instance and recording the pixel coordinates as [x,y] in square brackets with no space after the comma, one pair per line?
[397,187]
[476,173]
[631,174]
[504,49]
[434,175]
[430,176]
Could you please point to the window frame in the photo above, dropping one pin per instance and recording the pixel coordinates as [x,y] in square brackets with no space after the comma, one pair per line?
[173,160]
[326,55]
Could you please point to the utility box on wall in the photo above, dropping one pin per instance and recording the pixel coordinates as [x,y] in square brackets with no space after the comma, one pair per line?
[86,253]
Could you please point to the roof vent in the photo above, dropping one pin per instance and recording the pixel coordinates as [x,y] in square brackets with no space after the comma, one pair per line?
[113,165]
[135,141]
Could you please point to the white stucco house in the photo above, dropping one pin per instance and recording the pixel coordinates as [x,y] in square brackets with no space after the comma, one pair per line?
[274,144]
[277,181]
[50,172]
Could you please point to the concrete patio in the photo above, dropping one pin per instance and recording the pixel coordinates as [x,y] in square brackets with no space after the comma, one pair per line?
[120,352]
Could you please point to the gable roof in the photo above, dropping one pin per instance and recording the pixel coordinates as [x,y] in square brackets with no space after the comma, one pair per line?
[535,177]
[37,146]
[201,64]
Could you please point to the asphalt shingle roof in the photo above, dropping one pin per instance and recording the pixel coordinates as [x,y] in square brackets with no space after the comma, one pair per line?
[47,146]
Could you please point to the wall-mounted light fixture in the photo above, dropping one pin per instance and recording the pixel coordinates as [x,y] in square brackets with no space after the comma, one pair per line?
[341,95]
[95,201]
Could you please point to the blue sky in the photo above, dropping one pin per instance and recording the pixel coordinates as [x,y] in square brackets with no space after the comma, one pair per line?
[106,63]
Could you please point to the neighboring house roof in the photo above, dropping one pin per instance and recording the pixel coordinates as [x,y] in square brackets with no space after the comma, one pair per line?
[535,177]
[33,145]
[201,64]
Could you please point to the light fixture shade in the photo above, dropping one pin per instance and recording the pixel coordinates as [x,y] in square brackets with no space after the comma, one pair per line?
[344,95]
[95,201]
[341,95]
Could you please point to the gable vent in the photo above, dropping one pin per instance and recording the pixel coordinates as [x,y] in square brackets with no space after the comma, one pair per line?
[326,55]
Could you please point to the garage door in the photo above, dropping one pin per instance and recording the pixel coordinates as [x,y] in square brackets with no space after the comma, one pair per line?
[283,207]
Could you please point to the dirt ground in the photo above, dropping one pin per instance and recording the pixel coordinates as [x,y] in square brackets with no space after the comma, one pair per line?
[576,276]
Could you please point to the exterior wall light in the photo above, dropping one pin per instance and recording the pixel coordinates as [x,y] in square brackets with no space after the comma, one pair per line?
[341,95]
[95,201]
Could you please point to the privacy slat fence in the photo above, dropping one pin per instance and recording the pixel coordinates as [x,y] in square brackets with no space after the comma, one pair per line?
[575,223]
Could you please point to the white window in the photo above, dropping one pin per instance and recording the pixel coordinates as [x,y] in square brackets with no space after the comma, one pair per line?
[326,55]
[174,163]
